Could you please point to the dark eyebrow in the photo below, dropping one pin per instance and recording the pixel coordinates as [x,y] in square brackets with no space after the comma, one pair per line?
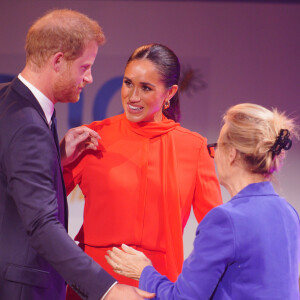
[142,83]
[147,83]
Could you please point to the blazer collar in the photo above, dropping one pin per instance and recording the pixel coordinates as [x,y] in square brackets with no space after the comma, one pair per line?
[24,92]
[256,189]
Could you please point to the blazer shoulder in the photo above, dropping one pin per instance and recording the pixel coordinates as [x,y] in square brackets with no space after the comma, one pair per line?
[17,100]
[4,87]
[16,113]
[218,223]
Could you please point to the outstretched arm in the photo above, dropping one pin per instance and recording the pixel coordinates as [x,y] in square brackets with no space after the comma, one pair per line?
[214,250]
[76,141]
[129,262]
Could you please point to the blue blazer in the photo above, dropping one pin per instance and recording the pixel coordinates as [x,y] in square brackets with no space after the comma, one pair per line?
[245,249]
[36,254]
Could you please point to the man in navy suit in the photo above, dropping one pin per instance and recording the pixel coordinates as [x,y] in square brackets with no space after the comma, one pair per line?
[37,256]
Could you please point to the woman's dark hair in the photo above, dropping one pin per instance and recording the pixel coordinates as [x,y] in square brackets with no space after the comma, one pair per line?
[168,66]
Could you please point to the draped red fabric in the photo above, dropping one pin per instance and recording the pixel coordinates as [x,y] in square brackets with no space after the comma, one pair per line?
[139,189]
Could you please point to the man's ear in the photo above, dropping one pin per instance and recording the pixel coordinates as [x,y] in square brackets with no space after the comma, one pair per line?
[57,60]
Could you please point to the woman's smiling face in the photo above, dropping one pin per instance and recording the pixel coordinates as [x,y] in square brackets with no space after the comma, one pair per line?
[143,92]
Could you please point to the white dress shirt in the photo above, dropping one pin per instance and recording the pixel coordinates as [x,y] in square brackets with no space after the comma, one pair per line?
[46,104]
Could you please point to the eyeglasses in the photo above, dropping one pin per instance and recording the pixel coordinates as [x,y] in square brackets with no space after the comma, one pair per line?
[211,149]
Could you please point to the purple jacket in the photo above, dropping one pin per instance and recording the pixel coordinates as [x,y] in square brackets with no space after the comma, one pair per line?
[245,249]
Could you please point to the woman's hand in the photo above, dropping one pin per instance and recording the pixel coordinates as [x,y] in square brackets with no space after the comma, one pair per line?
[129,262]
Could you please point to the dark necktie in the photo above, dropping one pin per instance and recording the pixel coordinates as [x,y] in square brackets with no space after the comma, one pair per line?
[54,132]
[63,209]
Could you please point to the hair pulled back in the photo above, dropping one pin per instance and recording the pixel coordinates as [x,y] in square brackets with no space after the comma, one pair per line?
[168,67]
[253,130]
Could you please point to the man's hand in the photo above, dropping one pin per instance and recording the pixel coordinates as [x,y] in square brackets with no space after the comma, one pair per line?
[122,291]
[76,141]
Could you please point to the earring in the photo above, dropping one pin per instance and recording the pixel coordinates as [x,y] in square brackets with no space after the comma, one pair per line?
[167,104]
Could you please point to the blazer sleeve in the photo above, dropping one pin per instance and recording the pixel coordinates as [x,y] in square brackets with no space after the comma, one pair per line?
[32,167]
[214,250]
[207,190]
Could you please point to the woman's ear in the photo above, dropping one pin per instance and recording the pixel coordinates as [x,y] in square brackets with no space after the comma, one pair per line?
[232,155]
[171,92]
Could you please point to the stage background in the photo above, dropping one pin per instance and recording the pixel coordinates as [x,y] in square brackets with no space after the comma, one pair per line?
[231,52]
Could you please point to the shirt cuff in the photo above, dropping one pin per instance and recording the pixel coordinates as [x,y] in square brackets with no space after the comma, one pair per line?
[109,290]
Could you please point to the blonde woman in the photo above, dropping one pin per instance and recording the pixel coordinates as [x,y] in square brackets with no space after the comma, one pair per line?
[247,248]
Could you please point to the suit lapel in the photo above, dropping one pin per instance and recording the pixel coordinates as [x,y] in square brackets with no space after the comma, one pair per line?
[25,93]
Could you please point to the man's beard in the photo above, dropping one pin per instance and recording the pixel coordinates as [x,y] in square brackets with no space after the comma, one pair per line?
[66,90]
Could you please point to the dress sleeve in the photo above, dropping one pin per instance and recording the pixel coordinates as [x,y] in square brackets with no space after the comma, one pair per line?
[72,173]
[214,250]
[207,191]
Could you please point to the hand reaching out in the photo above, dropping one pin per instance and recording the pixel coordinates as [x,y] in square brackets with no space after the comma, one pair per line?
[129,262]
[76,141]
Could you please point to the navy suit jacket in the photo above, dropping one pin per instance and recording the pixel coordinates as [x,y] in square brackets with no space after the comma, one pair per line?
[36,254]
[245,249]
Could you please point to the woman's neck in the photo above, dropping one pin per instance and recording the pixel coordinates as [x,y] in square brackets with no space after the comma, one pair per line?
[241,179]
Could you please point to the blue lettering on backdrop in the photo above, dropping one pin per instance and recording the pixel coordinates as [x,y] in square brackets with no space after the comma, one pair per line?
[75,112]
[101,102]
[104,96]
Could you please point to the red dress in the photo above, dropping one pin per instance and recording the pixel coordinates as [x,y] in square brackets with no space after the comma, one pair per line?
[139,189]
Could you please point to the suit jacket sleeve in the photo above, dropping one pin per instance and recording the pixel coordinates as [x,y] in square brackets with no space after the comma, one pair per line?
[214,250]
[31,165]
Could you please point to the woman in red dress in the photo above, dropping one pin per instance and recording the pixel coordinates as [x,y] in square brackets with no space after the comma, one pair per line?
[148,172]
